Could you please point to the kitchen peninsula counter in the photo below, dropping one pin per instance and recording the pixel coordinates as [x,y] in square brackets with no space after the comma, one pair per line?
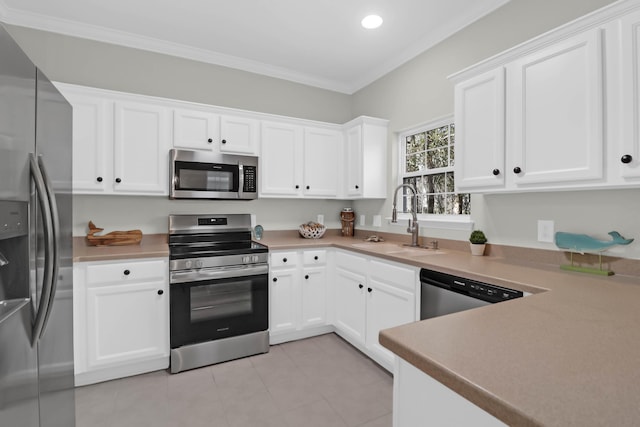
[566,355]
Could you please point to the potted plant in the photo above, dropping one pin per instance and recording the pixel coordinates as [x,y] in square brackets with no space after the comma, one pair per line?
[478,240]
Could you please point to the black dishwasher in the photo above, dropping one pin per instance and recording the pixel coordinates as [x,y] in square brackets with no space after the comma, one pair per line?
[443,293]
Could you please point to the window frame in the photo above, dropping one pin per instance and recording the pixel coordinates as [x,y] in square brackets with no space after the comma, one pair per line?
[444,221]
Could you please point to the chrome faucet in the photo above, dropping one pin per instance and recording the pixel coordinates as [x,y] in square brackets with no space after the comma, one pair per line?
[413,224]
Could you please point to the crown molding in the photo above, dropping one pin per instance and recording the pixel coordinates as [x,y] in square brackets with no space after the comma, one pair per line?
[136,41]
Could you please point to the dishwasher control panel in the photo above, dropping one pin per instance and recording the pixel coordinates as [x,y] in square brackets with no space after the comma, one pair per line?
[472,288]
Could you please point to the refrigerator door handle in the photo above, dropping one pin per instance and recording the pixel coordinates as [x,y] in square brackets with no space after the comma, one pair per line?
[50,251]
[55,222]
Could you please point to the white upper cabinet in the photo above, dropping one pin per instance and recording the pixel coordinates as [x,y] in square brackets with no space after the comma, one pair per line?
[120,146]
[141,147]
[239,135]
[348,161]
[121,143]
[571,116]
[195,130]
[322,156]
[480,129]
[556,113]
[92,148]
[203,129]
[281,160]
[366,158]
[625,157]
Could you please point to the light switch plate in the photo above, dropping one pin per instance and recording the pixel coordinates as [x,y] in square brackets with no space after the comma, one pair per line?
[377,220]
[362,220]
[320,219]
[545,230]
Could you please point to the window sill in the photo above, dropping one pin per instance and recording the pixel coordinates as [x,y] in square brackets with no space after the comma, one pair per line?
[446,222]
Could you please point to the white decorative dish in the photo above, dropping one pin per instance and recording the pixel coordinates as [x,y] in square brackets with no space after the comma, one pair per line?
[312,230]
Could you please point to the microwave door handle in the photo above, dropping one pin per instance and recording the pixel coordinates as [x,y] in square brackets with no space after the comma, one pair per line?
[240,180]
[41,192]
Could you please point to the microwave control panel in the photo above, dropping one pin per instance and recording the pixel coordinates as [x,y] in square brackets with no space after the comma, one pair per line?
[249,179]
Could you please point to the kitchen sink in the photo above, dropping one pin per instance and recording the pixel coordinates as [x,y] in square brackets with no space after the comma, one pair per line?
[395,249]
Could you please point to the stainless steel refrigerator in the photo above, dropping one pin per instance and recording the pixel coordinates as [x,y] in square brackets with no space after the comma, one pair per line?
[36,278]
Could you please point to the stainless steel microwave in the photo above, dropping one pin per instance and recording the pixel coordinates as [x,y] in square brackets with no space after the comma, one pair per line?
[202,175]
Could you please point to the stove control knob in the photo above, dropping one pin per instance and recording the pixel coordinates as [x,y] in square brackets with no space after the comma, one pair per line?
[187,264]
[198,264]
[255,258]
[245,259]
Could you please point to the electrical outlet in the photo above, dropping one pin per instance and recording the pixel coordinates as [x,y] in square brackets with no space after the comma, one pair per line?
[362,220]
[545,230]
[320,219]
[377,220]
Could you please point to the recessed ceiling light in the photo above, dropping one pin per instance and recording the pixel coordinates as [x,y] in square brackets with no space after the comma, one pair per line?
[372,21]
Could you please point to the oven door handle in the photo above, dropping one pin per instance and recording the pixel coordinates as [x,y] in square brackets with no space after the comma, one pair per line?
[217,273]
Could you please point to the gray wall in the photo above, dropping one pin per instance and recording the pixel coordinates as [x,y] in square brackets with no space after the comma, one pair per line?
[414,93]
[419,92]
[90,63]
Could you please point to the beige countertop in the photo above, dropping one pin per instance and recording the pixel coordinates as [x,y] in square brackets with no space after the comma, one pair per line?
[566,355]
[151,246]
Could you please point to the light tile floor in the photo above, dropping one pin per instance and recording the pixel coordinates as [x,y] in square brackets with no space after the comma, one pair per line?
[316,382]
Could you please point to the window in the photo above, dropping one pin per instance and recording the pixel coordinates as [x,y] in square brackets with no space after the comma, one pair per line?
[428,158]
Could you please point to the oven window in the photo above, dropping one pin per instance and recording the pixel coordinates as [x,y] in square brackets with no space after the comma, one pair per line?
[211,302]
[206,180]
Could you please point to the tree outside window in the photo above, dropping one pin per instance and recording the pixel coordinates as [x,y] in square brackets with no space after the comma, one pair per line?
[429,158]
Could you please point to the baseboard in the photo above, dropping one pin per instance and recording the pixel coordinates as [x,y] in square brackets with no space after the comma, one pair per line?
[300,335]
[112,373]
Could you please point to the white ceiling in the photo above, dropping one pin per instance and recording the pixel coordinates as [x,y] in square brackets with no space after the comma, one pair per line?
[318,43]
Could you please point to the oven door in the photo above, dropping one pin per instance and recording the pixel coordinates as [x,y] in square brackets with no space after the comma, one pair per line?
[218,303]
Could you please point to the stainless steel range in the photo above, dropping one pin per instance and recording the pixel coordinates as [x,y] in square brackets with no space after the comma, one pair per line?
[219,307]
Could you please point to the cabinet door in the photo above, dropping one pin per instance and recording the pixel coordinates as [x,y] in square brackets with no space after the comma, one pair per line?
[480,130]
[627,157]
[281,160]
[126,322]
[92,144]
[195,130]
[350,289]
[555,96]
[238,135]
[322,162]
[353,164]
[314,287]
[141,148]
[283,304]
[387,306]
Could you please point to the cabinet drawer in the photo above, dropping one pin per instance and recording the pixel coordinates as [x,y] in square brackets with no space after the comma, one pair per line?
[126,272]
[393,274]
[284,259]
[314,257]
[350,262]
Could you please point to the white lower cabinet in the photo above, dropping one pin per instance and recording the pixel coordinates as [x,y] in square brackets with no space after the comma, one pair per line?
[350,304]
[297,295]
[121,312]
[372,294]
